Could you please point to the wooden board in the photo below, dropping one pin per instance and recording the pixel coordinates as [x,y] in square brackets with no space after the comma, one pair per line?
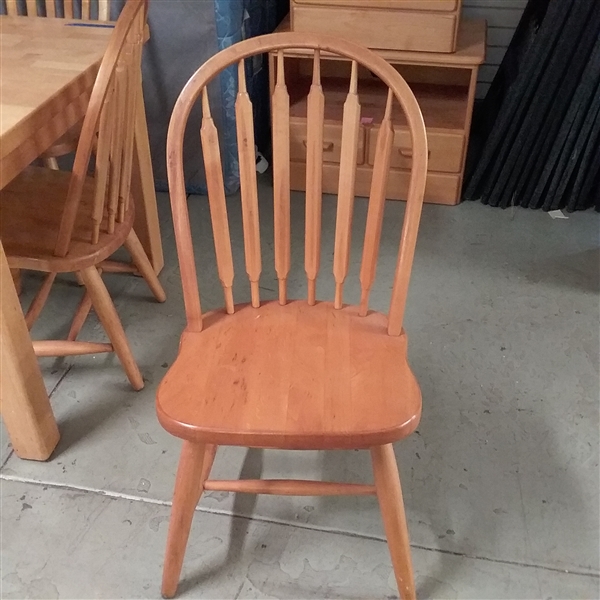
[417,31]
[470,48]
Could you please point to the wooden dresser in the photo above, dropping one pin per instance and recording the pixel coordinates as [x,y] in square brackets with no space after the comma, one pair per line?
[444,84]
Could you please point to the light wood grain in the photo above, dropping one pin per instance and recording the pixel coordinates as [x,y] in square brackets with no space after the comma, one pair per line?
[445,88]
[24,403]
[345,203]
[211,153]
[440,188]
[281,178]
[38,302]
[289,487]
[389,493]
[56,221]
[427,5]
[68,348]
[381,169]
[314,178]
[188,489]
[31,6]
[107,314]
[470,48]
[272,378]
[290,374]
[86,8]
[249,189]
[48,71]
[384,28]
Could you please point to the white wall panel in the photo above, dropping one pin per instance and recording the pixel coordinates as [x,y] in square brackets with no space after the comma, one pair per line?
[502,16]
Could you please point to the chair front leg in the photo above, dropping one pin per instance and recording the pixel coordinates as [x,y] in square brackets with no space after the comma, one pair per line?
[191,474]
[389,494]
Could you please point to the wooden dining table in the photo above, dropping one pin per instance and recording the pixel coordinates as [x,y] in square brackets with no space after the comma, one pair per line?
[47,72]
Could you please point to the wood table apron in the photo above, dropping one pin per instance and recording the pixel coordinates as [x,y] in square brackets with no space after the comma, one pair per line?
[48,68]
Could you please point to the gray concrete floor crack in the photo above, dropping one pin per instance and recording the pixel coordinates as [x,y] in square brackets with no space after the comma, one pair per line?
[307,526]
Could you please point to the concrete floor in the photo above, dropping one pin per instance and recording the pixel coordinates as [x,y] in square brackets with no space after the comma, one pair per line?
[500,481]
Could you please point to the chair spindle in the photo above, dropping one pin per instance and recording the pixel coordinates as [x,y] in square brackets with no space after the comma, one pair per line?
[68,6]
[281,178]
[116,153]
[105,131]
[345,207]
[216,198]
[132,90]
[314,178]
[249,190]
[50,9]
[86,9]
[12,8]
[383,154]
[103,10]
[31,8]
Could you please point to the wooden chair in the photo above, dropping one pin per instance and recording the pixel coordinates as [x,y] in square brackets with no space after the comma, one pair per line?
[67,9]
[59,221]
[292,374]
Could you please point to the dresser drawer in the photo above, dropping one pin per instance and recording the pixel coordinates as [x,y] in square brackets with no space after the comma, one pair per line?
[419,5]
[441,188]
[391,25]
[332,142]
[445,150]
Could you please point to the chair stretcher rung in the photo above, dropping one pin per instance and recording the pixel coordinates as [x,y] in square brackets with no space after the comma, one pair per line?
[289,487]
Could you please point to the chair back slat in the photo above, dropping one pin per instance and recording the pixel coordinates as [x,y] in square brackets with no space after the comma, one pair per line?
[117,139]
[288,84]
[68,9]
[86,9]
[280,107]
[133,89]
[345,207]
[103,10]
[32,10]
[248,184]
[50,9]
[216,198]
[107,130]
[102,162]
[381,169]
[12,8]
[315,114]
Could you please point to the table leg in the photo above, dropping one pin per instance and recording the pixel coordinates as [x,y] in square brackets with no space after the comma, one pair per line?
[146,223]
[24,403]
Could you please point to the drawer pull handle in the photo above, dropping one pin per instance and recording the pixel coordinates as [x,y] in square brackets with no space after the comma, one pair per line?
[327,146]
[407,152]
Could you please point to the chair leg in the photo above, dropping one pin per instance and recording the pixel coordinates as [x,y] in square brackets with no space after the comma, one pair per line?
[191,475]
[16,277]
[141,261]
[36,306]
[389,494]
[107,313]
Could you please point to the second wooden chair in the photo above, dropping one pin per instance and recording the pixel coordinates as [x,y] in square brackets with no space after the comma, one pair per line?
[59,222]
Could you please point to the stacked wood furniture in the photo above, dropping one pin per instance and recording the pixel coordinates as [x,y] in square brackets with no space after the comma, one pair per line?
[292,374]
[444,84]
[420,25]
